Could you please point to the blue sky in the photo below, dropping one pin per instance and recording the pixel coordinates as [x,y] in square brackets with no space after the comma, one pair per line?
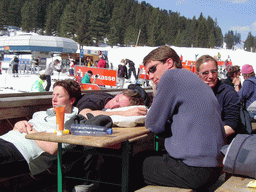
[236,15]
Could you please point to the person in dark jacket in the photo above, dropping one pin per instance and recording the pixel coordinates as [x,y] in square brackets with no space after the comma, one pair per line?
[207,70]
[247,93]
[121,74]
[94,103]
[15,66]
[131,68]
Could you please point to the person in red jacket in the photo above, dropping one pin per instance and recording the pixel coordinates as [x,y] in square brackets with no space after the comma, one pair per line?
[101,62]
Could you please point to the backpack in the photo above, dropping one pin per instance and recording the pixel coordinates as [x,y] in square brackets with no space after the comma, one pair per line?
[245,123]
[121,70]
[240,156]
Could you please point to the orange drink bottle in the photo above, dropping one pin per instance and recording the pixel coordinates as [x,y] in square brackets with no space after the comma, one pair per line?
[60,111]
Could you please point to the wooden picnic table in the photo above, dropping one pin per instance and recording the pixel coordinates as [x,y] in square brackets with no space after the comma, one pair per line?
[119,135]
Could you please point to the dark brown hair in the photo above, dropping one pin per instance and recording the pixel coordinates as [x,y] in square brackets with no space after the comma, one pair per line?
[134,97]
[162,54]
[72,87]
[232,70]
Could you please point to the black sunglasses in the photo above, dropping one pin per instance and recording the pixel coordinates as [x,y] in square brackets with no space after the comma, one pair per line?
[152,69]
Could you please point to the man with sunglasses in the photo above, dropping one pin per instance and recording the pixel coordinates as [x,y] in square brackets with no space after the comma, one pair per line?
[207,70]
[187,114]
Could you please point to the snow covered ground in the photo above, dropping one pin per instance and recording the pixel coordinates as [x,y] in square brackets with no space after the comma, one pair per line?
[10,84]
[23,83]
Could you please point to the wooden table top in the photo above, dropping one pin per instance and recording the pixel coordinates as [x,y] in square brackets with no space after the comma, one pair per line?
[119,135]
[236,184]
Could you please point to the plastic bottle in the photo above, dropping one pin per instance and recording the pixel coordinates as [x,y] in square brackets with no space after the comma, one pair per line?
[90,130]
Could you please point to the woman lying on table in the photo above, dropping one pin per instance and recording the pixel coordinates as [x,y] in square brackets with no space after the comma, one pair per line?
[14,147]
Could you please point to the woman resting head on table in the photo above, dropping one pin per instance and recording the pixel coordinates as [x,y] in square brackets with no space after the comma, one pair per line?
[14,147]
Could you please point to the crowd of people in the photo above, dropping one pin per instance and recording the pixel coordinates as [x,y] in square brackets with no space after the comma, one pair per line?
[26,67]
[195,113]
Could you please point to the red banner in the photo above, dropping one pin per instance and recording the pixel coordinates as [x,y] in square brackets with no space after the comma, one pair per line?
[105,76]
[87,86]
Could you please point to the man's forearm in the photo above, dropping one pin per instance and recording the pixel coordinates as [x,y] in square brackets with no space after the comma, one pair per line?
[100,112]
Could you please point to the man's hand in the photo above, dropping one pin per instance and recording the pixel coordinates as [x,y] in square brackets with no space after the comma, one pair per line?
[237,83]
[135,111]
[23,127]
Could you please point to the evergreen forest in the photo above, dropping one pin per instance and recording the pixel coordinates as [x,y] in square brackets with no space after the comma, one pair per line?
[121,22]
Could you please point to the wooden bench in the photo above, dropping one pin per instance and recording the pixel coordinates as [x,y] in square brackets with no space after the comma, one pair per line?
[163,189]
[236,183]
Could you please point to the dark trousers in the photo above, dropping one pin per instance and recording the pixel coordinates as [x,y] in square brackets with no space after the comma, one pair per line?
[152,168]
[15,69]
[48,80]
[11,161]
[130,71]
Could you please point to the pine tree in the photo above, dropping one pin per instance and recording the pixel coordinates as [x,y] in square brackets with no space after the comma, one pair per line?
[153,28]
[179,39]
[143,22]
[174,17]
[202,32]
[162,29]
[97,20]
[3,15]
[41,7]
[212,40]
[28,13]
[119,24]
[210,23]
[229,39]
[191,33]
[131,30]
[140,25]
[218,36]
[237,37]
[249,43]
[130,36]
[49,20]
[165,36]
[54,12]
[115,27]
[83,28]
[68,23]
[14,13]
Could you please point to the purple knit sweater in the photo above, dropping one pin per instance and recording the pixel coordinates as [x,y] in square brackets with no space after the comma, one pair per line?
[193,113]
